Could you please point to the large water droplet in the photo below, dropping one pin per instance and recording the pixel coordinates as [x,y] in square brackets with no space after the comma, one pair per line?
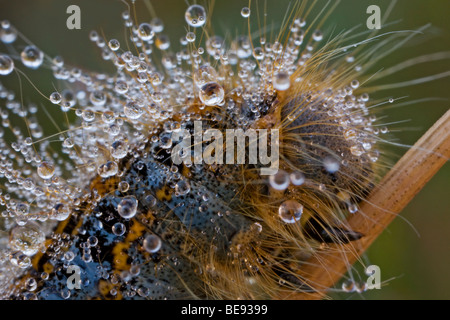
[32,57]
[290,211]
[8,34]
[245,12]
[132,110]
[195,16]
[108,169]
[127,207]
[152,243]
[46,170]
[182,187]
[145,31]
[331,164]
[211,93]
[297,178]
[60,212]
[118,229]
[280,180]
[281,81]
[28,239]
[6,65]
[118,149]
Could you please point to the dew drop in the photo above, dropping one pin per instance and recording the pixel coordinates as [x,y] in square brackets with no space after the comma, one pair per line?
[108,169]
[7,34]
[55,98]
[281,81]
[297,178]
[190,37]
[114,44]
[118,149]
[152,243]
[46,170]
[65,293]
[290,211]
[280,180]
[245,12]
[132,110]
[331,164]
[127,207]
[145,32]
[32,57]
[317,35]
[195,16]
[182,187]
[27,239]
[211,93]
[60,212]
[123,186]
[118,229]
[22,209]
[6,65]
[162,42]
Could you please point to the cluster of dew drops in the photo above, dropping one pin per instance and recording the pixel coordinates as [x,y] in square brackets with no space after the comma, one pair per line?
[118,113]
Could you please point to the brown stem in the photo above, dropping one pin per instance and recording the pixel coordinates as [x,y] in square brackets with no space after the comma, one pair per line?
[388,199]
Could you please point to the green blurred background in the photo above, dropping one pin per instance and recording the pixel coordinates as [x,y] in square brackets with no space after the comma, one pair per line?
[417,264]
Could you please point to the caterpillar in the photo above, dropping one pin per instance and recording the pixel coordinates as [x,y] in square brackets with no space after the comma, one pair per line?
[122,202]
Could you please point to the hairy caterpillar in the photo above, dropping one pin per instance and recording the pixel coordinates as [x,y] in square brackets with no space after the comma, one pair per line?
[219,235]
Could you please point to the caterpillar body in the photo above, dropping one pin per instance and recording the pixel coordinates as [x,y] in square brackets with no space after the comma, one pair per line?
[138,225]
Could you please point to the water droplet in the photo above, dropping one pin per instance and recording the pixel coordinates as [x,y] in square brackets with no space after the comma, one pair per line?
[211,94]
[245,12]
[331,164]
[258,53]
[127,207]
[19,259]
[356,150]
[118,149]
[108,169]
[145,32]
[118,229]
[114,44]
[157,25]
[352,208]
[256,227]
[65,293]
[132,110]
[123,186]
[92,241]
[297,178]
[290,211]
[204,74]
[355,84]
[280,180]
[60,212]
[317,35]
[46,170]
[55,98]
[281,81]
[182,187]
[195,16]
[32,57]
[22,209]
[27,239]
[7,34]
[190,37]
[152,243]
[6,65]
[31,284]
